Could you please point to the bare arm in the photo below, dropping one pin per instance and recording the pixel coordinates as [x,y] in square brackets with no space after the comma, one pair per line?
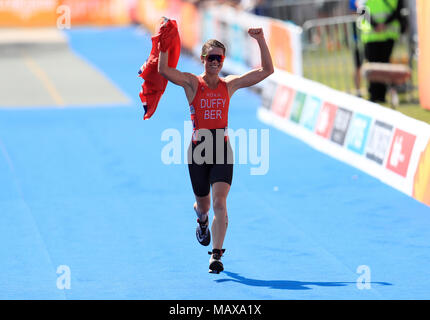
[253,77]
[186,80]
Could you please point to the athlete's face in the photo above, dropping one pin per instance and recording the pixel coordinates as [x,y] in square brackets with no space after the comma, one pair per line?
[213,60]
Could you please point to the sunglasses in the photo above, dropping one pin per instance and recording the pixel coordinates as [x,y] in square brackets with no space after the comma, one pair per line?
[212,57]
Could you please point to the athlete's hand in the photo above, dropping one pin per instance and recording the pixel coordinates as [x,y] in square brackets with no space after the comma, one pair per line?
[256,33]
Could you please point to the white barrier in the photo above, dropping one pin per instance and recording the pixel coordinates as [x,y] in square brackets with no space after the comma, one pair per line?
[379,141]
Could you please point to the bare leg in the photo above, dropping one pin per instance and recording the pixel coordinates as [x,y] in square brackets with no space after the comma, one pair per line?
[220,221]
[203,205]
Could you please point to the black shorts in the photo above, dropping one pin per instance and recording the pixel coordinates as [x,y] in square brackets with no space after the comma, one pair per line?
[210,161]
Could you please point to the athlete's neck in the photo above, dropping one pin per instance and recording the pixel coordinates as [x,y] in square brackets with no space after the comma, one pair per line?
[211,80]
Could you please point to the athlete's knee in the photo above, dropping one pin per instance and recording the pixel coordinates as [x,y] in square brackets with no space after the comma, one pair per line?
[203,205]
[204,208]
[219,204]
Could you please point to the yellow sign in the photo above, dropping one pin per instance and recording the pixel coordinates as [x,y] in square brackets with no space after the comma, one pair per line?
[423,19]
[422,177]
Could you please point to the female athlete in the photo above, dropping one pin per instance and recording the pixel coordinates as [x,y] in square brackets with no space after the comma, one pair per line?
[210,156]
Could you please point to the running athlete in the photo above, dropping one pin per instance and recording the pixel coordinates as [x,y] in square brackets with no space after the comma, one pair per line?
[211,164]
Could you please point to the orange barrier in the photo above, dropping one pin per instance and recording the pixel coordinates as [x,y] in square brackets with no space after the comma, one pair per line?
[280,46]
[99,12]
[149,12]
[421,190]
[190,28]
[185,13]
[28,13]
[43,13]
[423,19]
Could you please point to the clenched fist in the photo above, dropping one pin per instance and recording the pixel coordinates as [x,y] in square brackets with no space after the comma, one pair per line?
[256,33]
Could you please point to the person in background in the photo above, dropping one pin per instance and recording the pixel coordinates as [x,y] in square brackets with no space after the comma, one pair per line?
[379,35]
[354,6]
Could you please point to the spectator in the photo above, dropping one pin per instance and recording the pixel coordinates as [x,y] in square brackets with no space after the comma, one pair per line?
[378,36]
[358,55]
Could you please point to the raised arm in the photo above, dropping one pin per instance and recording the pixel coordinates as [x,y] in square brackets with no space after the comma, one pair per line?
[184,79]
[253,77]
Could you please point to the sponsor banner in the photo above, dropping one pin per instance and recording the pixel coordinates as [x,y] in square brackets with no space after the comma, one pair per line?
[341,125]
[400,152]
[421,190]
[297,108]
[267,95]
[379,141]
[282,101]
[358,133]
[326,119]
[45,13]
[310,112]
[423,20]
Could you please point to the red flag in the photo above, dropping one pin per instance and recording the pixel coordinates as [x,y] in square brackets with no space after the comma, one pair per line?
[166,38]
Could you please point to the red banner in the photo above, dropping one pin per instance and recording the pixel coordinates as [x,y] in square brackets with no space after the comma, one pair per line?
[400,152]
[326,119]
[282,101]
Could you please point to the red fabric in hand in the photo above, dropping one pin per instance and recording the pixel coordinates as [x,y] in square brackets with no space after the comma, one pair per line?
[165,39]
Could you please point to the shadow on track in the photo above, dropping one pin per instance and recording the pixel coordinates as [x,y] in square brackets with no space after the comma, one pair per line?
[286,284]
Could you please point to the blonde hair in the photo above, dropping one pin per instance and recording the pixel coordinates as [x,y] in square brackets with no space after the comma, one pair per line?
[212,43]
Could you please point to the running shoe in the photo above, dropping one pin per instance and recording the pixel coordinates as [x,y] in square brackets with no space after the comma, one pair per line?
[203,234]
[215,264]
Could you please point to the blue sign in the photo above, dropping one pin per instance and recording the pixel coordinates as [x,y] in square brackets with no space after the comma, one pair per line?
[358,133]
[237,43]
[310,112]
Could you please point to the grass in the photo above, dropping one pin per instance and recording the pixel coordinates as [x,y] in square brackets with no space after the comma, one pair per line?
[413,111]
